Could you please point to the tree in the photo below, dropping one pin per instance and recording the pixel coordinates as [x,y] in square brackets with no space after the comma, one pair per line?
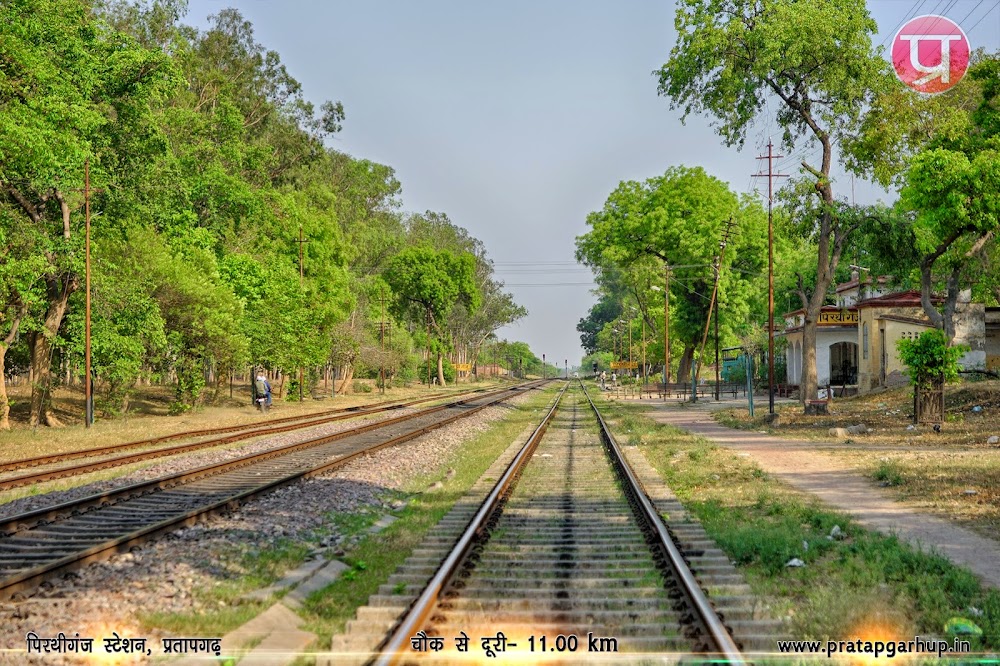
[468,329]
[931,360]
[606,310]
[942,152]
[427,284]
[678,219]
[68,86]
[952,186]
[816,57]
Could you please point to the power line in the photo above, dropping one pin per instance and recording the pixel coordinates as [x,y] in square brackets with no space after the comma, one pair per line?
[984,16]
[971,12]
[912,12]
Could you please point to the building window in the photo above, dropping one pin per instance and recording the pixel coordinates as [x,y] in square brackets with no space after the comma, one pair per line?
[864,340]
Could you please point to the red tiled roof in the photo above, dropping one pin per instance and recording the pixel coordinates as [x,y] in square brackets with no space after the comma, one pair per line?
[825,308]
[909,298]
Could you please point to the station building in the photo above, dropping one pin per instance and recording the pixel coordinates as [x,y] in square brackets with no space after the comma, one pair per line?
[856,339]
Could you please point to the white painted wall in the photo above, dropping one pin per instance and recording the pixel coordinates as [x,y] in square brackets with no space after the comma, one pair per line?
[825,338]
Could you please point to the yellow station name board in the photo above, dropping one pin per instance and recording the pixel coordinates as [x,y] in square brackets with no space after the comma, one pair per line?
[841,318]
[463,367]
[624,365]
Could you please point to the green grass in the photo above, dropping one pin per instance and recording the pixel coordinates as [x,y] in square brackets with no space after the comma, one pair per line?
[866,578]
[889,473]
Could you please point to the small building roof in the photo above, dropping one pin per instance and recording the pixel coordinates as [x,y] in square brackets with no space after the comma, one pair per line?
[898,299]
[825,308]
[906,320]
[856,282]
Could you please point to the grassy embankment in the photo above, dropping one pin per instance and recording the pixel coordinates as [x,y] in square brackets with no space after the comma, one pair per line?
[954,473]
[867,584]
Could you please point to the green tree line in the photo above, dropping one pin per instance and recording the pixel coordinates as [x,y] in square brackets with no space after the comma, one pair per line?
[225,233]
[812,67]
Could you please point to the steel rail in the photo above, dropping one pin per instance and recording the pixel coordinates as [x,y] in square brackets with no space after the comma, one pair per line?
[13,524]
[257,430]
[113,448]
[392,650]
[32,577]
[726,648]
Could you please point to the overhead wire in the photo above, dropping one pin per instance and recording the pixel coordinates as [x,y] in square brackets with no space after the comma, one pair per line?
[906,17]
[990,11]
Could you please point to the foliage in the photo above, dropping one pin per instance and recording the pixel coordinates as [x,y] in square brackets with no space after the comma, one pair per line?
[816,60]
[676,219]
[361,387]
[816,56]
[209,168]
[930,358]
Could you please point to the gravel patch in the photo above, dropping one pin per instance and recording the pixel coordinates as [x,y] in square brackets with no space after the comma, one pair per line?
[185,462]
[165,575]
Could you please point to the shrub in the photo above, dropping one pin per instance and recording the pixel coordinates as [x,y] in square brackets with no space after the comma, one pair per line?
[930,358]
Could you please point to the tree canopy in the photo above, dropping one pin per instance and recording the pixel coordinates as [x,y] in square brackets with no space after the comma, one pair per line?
[225,232]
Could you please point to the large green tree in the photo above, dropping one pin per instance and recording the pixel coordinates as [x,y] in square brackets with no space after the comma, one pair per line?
[679,219]
[942,153]
[427,284]
[815,59]
[68,88]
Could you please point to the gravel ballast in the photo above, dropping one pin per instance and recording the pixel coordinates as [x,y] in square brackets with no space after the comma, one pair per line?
[164,575]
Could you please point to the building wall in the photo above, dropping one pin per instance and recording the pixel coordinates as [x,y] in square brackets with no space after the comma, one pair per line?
[824,338]
[895,371]
[887,331]
[970,329]
[993,348]
[869,364]
[793,357]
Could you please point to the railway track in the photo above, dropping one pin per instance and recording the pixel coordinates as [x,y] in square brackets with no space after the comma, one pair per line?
[568,558]
[40,544]
[45,468]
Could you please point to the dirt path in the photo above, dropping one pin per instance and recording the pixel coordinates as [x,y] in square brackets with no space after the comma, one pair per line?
[799,464]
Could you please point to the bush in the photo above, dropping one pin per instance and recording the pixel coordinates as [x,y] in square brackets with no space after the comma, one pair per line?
[930,358]
[361,387]
[449,371]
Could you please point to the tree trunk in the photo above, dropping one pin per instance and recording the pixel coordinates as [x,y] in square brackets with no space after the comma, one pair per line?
[4,402]
[684,368]
[346,381]
[40,343]
[808,378]
[440,369]
[4,346]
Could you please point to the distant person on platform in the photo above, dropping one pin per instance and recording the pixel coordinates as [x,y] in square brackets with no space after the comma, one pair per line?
[604,378]
[263,389]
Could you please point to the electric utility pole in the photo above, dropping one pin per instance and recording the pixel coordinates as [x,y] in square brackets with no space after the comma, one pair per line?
[711,305]
[770,157]
[381,335]
[666,329]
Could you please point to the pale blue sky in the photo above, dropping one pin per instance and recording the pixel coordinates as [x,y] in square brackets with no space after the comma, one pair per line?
[517,118]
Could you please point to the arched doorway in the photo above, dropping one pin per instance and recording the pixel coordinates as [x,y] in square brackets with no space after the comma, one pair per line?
[844,363]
